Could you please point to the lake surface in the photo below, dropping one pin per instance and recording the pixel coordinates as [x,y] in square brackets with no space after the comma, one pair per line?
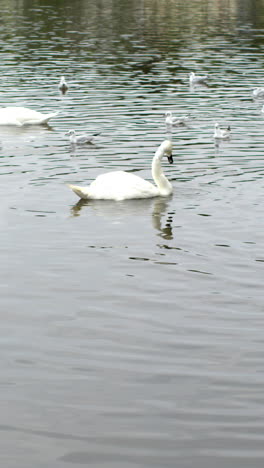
[132,332]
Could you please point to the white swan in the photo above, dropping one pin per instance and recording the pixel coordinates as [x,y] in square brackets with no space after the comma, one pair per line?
[23,116]
[219,133]
[80,139]
[258,92]
[122,185]
[174,121]
[63,85]
[197,79]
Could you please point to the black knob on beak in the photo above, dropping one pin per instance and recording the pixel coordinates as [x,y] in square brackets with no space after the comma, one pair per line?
[170,158]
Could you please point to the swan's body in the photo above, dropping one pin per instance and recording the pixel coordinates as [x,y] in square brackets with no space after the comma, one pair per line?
[63,85]
[80,139]
[197,79]
[258,92]
[23,116]
[220,133]
[122,185]
[175,121]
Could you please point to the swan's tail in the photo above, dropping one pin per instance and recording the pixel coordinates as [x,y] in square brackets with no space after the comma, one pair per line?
[80,191]
[49,116]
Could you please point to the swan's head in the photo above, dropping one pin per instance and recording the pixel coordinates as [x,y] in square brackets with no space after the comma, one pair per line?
[216,125]
[192,75]
[70,132]
[166,150]
[168,114]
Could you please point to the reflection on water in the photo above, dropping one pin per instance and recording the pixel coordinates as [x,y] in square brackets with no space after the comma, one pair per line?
[159,209]
[111,209]
[131,332]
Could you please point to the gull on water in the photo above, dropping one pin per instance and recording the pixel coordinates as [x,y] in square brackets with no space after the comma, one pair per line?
[258,92]
[197,79]
[121,185]
[175,121]
[63,85]
[220,133]
[80,139]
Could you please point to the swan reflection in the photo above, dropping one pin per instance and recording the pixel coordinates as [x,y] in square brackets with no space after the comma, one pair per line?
[138,207]
[160,209]
[11,132]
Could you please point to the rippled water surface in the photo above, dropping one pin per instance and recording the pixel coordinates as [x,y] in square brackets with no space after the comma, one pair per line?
[132,332]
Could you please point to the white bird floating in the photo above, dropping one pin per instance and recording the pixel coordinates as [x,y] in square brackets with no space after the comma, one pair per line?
[258,92]
[122,185]
[63,85]
[197,79]
[220,133]
[80,139]
[175,121]
[23,116]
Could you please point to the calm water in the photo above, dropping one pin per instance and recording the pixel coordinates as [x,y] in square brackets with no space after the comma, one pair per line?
[132,332]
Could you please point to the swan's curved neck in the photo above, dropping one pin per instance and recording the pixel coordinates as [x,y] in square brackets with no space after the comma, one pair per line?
[159,178]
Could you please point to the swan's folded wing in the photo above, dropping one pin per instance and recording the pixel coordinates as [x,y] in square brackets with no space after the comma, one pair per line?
[121,185]
[23,115]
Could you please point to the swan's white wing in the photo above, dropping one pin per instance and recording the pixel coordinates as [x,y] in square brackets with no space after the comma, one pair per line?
[6,118]
[29,116]
[10,116]
[121,185]
[23,115]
